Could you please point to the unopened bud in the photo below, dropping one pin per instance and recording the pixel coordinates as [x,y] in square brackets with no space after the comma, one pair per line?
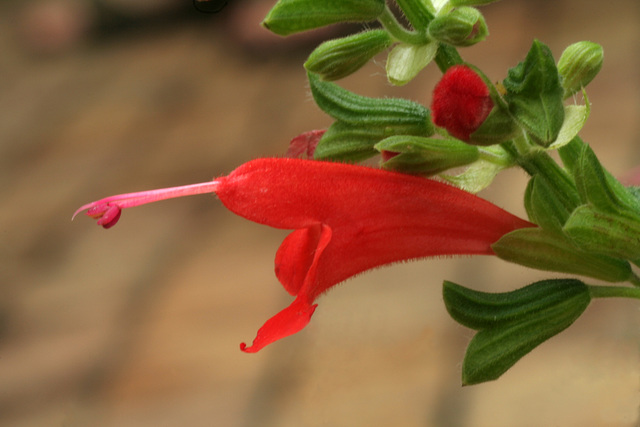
[464,26]
[578,65]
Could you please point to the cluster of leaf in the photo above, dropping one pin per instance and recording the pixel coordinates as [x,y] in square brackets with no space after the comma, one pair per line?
[588,223]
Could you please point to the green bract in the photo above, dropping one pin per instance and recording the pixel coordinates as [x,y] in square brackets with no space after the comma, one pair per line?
[425,156]
[535,96]
[511,324]
[338,58]
[464,26]
[578,65]
[293,16]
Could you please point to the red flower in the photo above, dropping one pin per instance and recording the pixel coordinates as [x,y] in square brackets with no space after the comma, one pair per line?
[346,219]
[461,102]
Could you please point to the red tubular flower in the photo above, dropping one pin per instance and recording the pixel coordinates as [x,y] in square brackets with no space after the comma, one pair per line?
[461,102]
[346,219]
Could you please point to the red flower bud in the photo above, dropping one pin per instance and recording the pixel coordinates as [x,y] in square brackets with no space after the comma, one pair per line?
[461,102]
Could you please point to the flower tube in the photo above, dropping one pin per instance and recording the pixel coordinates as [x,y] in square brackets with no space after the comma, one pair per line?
[347,219]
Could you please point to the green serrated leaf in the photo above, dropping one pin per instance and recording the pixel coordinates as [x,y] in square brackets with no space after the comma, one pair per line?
[575,117]
[534,95]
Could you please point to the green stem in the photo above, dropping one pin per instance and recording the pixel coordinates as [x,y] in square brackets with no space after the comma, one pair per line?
[398,32]
[447,56]
[417,12]
[613,292]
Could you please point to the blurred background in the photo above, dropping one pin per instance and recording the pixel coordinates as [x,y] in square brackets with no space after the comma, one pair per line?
[140,325]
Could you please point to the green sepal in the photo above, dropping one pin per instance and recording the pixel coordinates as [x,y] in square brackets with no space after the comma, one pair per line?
[544,205]
[347,142]
[578,65]
[293,16]
[392,116]
[463,26]
[598,187]
[405,61]
[335,59]
[553,251]
[425,156]
[534,95]
[615,235]
[511,324]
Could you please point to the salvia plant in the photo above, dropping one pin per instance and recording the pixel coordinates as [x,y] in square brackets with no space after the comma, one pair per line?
[348,218]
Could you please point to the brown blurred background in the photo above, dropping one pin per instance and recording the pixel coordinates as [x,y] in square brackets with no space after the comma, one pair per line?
[140,325]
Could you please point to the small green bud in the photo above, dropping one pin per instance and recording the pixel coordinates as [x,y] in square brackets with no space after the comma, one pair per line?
[293,16]
[578,65]
[424,156]
[464,26]
[553,251]
[338,58]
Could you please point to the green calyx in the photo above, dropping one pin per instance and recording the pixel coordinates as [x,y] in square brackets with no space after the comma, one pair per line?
[338,58]
[293,16]
[424,156]
[463,26]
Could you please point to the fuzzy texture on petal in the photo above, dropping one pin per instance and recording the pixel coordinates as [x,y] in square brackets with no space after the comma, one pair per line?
[461,102]
[349,219]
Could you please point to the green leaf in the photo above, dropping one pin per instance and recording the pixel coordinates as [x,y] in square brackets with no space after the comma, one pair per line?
[553,251]
[293,16]
[338,58]
[534,95]
[525,318]
[392,116]
[405,61]
[425,156]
